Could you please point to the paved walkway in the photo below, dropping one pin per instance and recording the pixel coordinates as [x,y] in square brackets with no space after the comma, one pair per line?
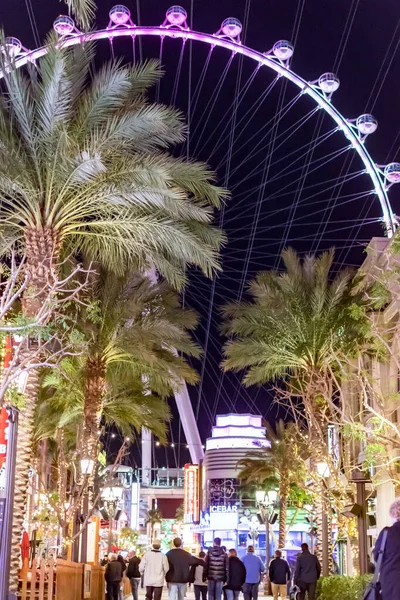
[190,595]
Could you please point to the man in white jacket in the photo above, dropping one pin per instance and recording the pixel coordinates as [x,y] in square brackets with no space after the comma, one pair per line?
[154,565]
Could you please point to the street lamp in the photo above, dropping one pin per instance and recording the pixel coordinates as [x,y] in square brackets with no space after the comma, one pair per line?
[112,495]
[266,502]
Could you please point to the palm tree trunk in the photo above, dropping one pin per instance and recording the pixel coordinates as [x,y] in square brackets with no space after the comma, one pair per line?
[283,504]
[95,386]
[23,464]
[42,250]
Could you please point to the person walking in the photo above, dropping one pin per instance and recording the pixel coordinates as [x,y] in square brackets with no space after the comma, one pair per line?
[389,572]
[154,566]
[179,574]
[279,575]
[237,576]
[307,573]
[200,586]
[133,573]
[254,571]
[113,576]
[216,570]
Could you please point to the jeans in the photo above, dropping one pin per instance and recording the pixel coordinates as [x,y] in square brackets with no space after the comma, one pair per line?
[232,594]
[214,589]
[177,591]
[279,587]
[310,588]
[113,590]
[200,591]
[134,587]
[153,593]
[250,591]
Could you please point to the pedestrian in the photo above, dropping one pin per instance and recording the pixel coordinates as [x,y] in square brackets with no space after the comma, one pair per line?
[113,576]
[200,586]
[216,570]
[154,566]
[121,560]
[254,570]
[307,573]
[389,572]
[179,574]
[133,573]
[237,576]
[279,575]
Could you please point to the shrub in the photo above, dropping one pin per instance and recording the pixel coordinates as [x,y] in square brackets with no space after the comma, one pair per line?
[342,587]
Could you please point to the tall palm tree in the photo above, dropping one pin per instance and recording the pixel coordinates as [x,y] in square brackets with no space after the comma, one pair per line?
[85,168]
[296,329]
[282,463]
[83,10]
[133,330]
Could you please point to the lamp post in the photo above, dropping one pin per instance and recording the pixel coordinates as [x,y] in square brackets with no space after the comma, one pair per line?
[87,466]
[265,502]
[112,496]
[324,472]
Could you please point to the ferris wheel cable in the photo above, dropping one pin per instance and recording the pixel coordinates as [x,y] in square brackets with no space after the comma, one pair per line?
[177,75]
[366,209]
[394,143]
[331,203]
[189,104]
[199,84]
[216,145]
[160,56]
[251,111]
[32,20]
[379,77]
[283,112]
[211,103]
[282,193]
[260,146]
[345,36]
[295,128]
[139,23]
[300,186]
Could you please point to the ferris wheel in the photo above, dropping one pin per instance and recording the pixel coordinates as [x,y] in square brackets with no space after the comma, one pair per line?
[299,171]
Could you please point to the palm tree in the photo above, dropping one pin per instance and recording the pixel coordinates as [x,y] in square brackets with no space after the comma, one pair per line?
[279,465]
[83,10]
[133,329]
[85,168]
[298,326]
[154,516]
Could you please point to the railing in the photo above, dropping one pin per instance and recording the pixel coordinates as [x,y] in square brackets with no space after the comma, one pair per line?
[160,477]
[61,580]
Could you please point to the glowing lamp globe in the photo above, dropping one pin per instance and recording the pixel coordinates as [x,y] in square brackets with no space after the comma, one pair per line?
[231,27]
[283,50]
[63,25]
[176,15]
[329,83]
[120,14]
[392,172]
[366,124]
[260,496]
[12,47]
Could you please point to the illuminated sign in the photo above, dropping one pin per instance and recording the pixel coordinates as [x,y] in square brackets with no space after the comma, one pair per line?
[191,494]
[223,509]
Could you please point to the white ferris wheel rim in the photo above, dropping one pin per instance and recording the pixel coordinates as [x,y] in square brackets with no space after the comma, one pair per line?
[184,33]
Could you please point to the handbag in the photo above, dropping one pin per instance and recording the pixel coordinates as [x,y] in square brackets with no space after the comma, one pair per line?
[373,591]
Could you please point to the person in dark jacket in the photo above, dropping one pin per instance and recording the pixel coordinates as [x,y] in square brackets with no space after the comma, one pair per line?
[133,573]
[279,575]
[216,570]
[390,569]
[113,576]
[307,573]
[237,576]
[178,576]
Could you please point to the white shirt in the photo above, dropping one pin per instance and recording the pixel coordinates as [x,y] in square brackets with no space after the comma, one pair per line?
[155,566]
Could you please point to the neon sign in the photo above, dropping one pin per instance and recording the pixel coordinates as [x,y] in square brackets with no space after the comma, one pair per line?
[191,494]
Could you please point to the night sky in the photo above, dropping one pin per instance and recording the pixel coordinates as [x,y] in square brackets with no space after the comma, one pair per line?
[293,179]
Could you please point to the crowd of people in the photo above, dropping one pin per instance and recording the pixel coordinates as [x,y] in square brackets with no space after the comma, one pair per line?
[214,574]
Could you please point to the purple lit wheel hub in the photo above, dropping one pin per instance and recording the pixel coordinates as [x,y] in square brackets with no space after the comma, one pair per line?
[365,124]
